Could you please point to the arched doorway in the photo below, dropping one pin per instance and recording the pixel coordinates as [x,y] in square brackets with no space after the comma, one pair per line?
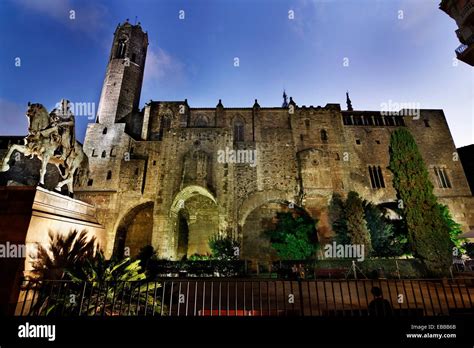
[134,230]
[255,241]
[194,219]
[183,233]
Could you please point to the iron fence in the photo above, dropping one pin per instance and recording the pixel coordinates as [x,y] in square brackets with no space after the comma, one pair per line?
[283,269]
[248,297]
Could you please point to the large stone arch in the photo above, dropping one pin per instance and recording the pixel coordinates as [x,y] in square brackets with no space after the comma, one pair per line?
[134,230]
[257,214]
[195,209]
[259,198]
[186,193]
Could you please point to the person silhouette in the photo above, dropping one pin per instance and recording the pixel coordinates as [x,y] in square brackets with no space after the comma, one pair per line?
[379,306]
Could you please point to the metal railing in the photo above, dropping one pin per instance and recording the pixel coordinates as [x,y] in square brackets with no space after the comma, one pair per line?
[313,269]
[248,297]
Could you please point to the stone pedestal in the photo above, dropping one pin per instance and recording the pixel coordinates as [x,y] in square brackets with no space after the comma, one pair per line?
[27,215]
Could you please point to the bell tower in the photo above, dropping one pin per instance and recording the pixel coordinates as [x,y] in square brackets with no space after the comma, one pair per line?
[124,77]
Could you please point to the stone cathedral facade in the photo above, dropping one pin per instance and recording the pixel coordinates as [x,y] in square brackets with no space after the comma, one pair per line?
[170,175]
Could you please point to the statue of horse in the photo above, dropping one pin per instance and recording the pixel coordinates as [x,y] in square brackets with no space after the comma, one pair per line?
[44,141]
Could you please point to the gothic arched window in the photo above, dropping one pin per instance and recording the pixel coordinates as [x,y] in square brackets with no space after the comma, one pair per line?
[121,47]
[166,123]
[164,126]
[442,177]
[201,121]
[324,136]
[238,130]
[183,120]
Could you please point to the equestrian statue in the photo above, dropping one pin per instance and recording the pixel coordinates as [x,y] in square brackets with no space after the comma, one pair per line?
[51,138]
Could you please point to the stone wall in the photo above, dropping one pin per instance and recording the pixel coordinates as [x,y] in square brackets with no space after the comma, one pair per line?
[27,216]
[301,157]
[170,155]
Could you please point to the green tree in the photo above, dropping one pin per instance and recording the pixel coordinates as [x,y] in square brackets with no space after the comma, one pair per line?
[224,247]
[294,237]
[356,224]
[338,220]
[381,232]
[428,232]
[383,236]
[225,253]
[454,231]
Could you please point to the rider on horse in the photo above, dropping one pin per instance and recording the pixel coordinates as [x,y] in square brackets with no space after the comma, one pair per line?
[62,130]
[51,138]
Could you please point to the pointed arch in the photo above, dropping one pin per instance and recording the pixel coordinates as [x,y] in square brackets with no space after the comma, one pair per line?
[201,121]
[193,218]
[165,124]
[256,199]
[186,193]
[238,129]
[324,135]
[121,48]
[132,231]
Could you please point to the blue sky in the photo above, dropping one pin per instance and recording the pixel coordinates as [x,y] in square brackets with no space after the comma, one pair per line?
[398,51]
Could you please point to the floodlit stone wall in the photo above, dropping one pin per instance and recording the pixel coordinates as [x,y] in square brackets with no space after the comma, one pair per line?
[301,157]
[172,175]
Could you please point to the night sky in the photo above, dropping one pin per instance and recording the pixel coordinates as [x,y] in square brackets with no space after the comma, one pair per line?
[398,51]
